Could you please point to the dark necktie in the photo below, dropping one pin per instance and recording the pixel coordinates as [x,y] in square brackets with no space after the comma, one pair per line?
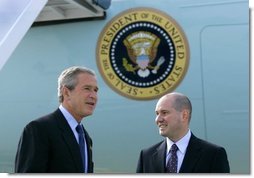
[172,162]
[81,144]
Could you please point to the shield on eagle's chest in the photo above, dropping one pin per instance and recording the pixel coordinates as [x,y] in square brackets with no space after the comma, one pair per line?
[142,61]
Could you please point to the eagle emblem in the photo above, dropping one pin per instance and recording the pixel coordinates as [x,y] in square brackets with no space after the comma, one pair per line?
[142,49]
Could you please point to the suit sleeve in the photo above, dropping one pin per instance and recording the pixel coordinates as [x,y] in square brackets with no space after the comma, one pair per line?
[221,164]
[32,152]
[140,163]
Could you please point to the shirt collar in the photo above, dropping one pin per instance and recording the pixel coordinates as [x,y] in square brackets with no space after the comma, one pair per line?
[69,118]
[181,144]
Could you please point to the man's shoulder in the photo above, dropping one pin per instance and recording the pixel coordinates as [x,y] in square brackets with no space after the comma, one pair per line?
[205,143]
[45,119]
[155,146]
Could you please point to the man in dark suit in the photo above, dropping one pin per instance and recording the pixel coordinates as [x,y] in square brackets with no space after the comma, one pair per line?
[51,144]
[190,154]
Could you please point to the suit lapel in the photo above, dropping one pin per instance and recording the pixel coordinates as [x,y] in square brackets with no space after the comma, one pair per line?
[159,158]
[70,140]
[89,149]
[191,156]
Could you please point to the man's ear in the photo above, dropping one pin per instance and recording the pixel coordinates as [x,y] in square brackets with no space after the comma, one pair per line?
[186,115]
[66,92]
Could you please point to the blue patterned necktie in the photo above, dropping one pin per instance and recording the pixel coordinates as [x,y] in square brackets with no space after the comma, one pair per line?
[172,162]
[81,144]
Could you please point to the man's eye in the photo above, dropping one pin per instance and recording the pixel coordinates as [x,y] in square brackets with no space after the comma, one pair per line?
[165,112]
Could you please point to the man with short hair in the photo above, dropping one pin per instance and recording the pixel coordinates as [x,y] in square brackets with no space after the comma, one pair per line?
[53,143]
[181,151]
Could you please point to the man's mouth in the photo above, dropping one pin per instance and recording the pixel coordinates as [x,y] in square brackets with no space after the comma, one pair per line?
[162,126]
[90,103]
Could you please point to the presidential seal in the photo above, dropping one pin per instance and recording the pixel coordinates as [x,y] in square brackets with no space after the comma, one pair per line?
[142,53]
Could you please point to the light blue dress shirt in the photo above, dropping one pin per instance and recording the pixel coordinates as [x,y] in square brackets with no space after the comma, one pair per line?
[73,124]
[182,147]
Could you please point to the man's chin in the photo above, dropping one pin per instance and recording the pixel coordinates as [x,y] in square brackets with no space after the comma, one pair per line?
[162,134]
[88,114]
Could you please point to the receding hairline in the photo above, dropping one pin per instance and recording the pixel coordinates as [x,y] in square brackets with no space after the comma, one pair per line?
[180,101]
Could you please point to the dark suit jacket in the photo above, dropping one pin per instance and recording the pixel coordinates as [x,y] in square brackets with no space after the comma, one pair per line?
[201,157]
[48,145]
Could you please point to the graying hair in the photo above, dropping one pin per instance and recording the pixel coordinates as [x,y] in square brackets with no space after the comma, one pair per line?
[68,78]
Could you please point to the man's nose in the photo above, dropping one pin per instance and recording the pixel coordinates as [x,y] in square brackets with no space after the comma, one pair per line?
[158,118]
[93,94]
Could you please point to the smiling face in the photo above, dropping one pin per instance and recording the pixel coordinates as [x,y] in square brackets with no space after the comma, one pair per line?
[81,100]
[171,122]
